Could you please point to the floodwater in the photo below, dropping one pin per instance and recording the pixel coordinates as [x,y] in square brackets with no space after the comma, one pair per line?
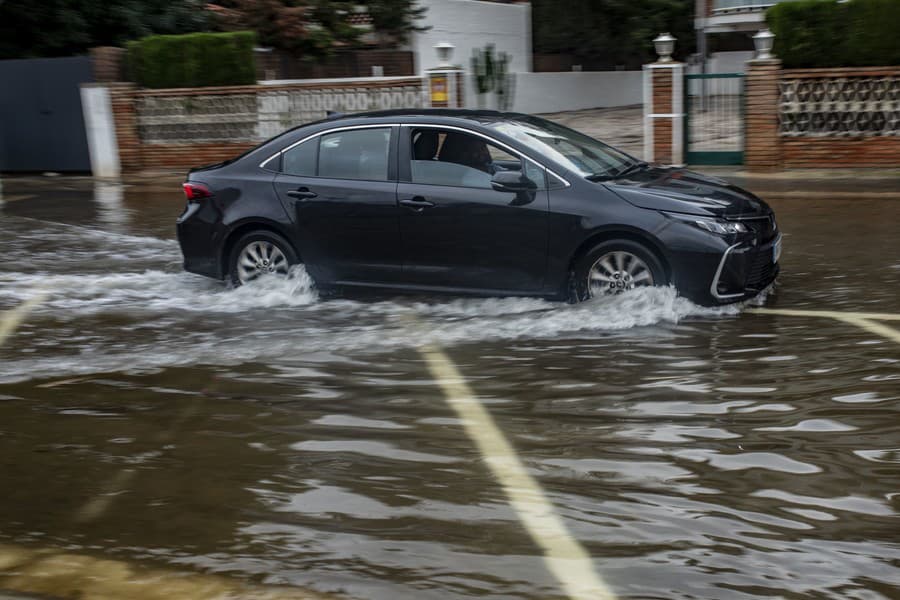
[270,436]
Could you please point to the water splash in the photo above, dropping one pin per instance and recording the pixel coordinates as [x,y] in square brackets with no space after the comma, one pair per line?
[133,320]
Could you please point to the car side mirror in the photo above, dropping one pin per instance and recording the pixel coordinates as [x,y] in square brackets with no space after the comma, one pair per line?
[512,181]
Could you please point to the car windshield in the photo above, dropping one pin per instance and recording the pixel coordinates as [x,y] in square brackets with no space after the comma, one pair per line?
[580,153]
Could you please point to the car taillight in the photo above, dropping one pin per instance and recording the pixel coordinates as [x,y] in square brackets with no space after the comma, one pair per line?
[195,191]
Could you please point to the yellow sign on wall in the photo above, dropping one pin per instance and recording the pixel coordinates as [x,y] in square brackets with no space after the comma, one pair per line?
[439,91]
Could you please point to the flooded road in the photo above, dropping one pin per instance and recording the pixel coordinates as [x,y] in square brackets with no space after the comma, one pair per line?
[273,437]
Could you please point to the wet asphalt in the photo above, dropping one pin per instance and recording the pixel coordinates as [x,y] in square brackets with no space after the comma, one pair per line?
[275,437]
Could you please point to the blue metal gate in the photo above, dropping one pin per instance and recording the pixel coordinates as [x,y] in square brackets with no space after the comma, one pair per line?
[41,121]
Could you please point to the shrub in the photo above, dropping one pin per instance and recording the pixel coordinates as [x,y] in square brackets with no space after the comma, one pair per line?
[829,33]
[193,60]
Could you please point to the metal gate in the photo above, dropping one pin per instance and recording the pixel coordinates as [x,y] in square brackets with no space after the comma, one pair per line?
[714,115]
[41,121]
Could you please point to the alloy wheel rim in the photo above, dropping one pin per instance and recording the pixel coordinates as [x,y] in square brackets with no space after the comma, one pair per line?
[261,258]
[616,272]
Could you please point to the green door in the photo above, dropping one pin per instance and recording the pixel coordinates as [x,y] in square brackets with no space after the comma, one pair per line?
[714,120]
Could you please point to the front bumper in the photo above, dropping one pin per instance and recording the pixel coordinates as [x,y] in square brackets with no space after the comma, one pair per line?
[745,269]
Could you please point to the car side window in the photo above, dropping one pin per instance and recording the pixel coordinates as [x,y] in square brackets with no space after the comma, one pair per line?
[352,154]
[355,154]
[536,173]
[454,158]
[301,159]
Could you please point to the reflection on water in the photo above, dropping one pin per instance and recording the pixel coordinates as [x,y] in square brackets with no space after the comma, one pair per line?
[286,439]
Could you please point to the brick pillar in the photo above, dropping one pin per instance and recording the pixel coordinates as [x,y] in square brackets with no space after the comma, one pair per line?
[664,112]
[108,64]
[122,98]
[762,142]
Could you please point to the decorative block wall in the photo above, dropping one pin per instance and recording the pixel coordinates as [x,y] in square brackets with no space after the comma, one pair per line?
[182,128]
[822,118]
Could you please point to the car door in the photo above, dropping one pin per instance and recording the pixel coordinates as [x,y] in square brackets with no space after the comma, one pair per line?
[340,186]
[456,230]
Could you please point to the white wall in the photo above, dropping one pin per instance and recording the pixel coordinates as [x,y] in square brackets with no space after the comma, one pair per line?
[729,62]
[101,131]
[725,62]
[470,24]
[554,92]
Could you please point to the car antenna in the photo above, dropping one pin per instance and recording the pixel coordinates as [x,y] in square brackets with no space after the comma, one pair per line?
[333,114]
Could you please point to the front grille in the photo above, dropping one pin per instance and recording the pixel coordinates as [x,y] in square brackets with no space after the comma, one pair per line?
[761,271]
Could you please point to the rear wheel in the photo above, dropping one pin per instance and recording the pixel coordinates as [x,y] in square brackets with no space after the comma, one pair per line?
[616,266]
[260,253]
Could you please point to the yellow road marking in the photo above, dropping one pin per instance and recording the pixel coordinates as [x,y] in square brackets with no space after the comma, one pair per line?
[17,197]
[53,384]
[877,328]
[564,556]
[63,574]
[863,320]
[100,503]
[830,314]
[11,319]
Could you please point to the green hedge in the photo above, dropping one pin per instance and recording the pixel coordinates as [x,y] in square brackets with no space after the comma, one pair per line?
[829,33]
[193,60]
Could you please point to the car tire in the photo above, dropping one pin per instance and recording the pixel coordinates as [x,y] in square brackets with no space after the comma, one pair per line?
[615,266]
[257,253]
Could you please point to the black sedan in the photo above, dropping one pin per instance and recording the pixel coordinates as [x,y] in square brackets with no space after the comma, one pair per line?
[473,202]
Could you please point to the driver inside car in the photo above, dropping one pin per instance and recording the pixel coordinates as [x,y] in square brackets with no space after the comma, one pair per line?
[467,150]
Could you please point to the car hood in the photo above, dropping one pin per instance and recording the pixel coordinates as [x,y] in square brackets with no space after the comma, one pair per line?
[683,191]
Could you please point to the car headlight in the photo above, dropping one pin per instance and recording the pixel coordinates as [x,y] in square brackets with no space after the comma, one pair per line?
[717,226]
[721,227]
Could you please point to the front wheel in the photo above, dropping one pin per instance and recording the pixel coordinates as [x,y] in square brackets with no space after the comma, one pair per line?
[260,253]
[616,266]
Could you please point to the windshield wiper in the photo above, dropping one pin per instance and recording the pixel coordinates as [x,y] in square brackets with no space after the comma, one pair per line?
[598,177]
[609,175]
[635,166]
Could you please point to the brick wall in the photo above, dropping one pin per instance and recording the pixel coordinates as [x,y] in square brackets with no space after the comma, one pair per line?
[662,104]
[121,97]
[768,147]
[762,148]
[135,154]
[185,156]
[817,153]
[108,63]
[845,149]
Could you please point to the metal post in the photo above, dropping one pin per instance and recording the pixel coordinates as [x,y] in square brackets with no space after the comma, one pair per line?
[704,66]
[648,111]
[678,115]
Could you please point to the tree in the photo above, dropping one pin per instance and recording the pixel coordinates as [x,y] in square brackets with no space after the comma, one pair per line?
[394,20]
[302,27]
[611,33]
[30,28]
[67,27]
[317,27]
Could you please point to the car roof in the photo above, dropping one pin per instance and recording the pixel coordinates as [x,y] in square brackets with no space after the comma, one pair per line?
[480,116]
[411,116]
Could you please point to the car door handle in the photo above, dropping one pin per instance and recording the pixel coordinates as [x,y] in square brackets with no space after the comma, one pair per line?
[302,193]
[417,203]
